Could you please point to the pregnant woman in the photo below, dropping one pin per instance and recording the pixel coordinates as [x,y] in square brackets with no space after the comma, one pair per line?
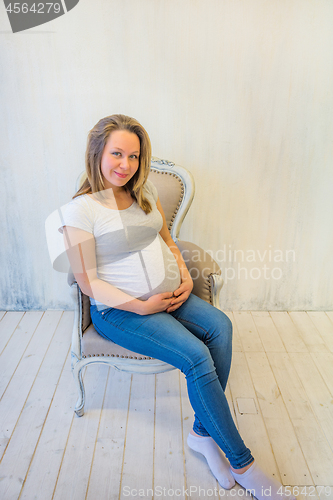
[124,259]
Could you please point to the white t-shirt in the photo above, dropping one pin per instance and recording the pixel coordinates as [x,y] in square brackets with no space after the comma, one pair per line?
[130,253]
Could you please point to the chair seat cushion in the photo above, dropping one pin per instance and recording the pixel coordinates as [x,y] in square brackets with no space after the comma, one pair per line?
[94,344]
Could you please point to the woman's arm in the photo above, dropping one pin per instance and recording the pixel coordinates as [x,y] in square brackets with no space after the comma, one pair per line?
[183,292]
[80,248]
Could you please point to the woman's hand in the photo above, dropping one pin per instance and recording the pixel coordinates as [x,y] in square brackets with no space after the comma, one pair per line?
[181,294]
[156,303]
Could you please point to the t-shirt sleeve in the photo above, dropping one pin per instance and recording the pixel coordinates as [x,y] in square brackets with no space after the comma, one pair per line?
[151,189]
[77,213]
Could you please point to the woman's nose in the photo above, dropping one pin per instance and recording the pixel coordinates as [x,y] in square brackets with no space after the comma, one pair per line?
[125,163]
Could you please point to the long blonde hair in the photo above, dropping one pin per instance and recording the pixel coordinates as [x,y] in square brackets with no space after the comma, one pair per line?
[97,139]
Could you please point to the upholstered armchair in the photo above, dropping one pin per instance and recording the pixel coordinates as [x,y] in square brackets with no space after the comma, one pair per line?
[175,186]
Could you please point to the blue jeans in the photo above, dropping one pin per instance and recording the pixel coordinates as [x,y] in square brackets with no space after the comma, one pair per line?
[196,338]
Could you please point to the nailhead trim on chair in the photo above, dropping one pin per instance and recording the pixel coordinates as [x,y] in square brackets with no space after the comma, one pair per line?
[114,356]
[209,288]
[181,190]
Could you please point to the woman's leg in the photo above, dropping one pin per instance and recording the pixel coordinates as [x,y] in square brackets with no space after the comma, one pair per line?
[163,337]
[214,328]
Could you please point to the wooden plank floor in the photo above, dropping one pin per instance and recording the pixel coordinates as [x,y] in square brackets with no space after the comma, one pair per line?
[131,442]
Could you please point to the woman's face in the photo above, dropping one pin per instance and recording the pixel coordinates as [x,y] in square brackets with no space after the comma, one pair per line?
[120,159]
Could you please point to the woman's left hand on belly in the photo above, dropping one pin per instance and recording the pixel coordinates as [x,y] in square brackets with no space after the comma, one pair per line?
[181,294]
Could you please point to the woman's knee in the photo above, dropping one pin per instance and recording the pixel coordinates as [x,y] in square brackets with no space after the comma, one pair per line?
[223,325]
[227,325]
[199,360]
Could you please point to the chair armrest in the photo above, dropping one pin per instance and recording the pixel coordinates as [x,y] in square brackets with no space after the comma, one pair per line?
[205,272]
[76,350]
[82,318]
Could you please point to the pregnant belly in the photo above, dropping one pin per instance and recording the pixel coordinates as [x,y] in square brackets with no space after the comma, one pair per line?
[162,272]
[144,272]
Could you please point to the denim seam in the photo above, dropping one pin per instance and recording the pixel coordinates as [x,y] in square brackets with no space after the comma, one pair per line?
[203,435]
[246,463]
[195,324]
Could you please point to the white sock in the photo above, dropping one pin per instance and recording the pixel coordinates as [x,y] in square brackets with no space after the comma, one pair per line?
[260,485]
[217,462]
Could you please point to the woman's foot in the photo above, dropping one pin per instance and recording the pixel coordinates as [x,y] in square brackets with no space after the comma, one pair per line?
[216,461]
[259,484]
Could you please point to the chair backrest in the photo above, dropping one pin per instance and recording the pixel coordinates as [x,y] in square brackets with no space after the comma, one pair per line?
[175,186]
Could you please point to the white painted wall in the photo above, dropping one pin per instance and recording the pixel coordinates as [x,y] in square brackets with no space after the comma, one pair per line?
[239,92]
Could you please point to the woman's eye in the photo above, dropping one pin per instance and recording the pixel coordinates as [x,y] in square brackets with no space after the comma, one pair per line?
[135,157]
[115,153]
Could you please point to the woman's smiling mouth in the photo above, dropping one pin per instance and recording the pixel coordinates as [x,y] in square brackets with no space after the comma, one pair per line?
[122,176]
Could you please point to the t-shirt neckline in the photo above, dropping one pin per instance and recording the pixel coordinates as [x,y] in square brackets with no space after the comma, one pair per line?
[113,209]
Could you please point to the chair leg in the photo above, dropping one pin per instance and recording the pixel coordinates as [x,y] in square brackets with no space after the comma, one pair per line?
[77,374]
